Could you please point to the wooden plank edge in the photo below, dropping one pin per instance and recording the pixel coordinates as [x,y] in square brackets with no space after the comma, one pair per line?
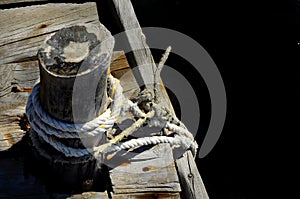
[90,195]
[191,183]
[6,2]
[137,40]
[150,195]
[145,167]
[11,116]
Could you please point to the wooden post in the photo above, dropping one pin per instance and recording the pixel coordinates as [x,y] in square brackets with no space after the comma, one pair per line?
[19,78]
[75,59]
[18,34]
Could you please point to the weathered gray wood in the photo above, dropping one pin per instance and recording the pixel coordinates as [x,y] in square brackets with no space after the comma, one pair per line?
[90,195]
[142,57]
[73,71]
[137,40]
[34,39]
[2,2]
[141,52]
[16,82]
[152,170]
[190,179]
[24,29]
[73,65]
[120,69]
[147,195]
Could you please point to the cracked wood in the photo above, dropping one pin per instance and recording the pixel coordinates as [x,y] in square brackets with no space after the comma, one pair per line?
[16,82]
[23,29]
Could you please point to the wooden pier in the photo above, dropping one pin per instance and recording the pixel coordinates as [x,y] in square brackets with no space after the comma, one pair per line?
[151,173]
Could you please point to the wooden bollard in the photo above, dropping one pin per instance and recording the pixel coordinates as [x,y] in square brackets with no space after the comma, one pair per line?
[77,54]
[73,64]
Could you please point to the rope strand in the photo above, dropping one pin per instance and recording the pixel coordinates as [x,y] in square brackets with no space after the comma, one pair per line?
[52,130]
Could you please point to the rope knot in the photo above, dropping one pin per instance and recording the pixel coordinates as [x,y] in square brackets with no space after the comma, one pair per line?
[146,109]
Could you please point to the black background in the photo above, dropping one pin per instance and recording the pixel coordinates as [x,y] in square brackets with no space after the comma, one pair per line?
[255,46]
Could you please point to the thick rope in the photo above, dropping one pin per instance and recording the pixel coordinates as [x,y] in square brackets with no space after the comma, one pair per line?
[51,129]
[67,130]
[48,127]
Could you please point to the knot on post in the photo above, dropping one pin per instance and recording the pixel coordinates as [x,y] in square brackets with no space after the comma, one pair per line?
[76,103]
[67,109]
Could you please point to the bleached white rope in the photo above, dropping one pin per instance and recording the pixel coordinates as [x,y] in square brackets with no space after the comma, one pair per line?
[176,141]
[51,129]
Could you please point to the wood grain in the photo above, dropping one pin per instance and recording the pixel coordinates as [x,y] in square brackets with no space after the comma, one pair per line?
[90,195]
[21,34]
[2,2]
[16,82]
[193,187]
[142,57]
[141,52]
[120,69]
[152,170]
[137,40]
[147,195]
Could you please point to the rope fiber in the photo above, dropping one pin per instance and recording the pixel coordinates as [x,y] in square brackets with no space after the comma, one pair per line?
[53,131]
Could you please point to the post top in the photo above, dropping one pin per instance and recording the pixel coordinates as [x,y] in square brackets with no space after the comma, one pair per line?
[65,52]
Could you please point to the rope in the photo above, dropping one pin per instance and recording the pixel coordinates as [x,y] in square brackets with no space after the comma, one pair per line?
[52,130]
[139,142]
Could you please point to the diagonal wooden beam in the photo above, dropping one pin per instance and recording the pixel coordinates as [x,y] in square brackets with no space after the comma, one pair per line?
[141,53]
[191,182]
[137,41]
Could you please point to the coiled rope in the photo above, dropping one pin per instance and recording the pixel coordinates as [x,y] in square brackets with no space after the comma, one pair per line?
[52,130]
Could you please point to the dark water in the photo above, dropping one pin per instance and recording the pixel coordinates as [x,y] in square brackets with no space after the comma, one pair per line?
[255,46]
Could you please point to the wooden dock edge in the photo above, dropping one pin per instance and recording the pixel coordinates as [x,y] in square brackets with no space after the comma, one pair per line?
[190,179]
[191,183]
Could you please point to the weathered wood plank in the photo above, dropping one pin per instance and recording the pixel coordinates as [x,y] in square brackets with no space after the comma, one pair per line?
[16,82]
[147,196]
[137,40]
[193,187]
[2,2]
[143,57]
[35,39]
[120,69]
[140,49]
[23,29]
[90,195]
[152,170]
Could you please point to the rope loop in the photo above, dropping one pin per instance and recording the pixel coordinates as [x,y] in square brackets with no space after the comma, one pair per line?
[53,131]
